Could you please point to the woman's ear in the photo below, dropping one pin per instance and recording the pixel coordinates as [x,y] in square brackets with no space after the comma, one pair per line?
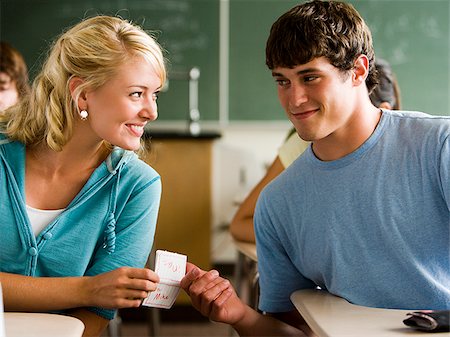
[78,94]
[361,69]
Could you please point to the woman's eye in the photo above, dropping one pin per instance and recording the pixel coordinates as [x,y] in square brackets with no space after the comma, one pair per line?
[136,94]
[155,95]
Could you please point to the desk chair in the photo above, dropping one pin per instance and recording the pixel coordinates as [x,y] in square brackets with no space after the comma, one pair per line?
[114,325]
[246,275]
[2,319]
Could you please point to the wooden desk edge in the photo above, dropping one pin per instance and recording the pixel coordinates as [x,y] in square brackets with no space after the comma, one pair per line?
[247,248]
[306,314]
[336,306]
[72,324]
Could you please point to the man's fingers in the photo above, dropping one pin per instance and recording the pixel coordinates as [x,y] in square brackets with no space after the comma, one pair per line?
[222,298]
[190,277]
[213,291]
[198,286]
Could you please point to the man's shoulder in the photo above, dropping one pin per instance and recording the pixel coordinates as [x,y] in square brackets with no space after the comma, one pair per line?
[419,123]
[416,116]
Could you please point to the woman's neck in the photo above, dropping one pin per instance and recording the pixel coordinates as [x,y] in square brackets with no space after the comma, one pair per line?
[73,157]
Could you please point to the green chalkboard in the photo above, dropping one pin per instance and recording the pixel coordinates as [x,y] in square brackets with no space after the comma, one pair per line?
[187,29]
[413,35]
[252,90]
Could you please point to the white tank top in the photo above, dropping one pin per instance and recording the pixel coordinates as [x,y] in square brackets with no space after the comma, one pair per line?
[40,218]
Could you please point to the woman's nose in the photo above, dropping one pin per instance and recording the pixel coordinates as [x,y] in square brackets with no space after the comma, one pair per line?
[150,111]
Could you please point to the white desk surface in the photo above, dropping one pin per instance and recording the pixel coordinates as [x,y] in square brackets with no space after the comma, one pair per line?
[247,248]
[332,316]
[21,324]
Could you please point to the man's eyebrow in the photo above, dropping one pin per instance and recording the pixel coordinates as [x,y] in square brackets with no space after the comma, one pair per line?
[300,72]
[275,74]
[308,70]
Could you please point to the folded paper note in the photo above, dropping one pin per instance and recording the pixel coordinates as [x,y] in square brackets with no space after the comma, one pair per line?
[171,268]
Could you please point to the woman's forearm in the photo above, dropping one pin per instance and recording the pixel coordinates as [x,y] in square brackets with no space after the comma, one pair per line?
[26,293]
[124,287]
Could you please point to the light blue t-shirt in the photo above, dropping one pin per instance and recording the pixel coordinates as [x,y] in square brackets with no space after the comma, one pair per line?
[371,227]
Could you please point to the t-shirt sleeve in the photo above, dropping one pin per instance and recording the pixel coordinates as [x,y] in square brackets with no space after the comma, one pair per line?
[444,170]
[279,278]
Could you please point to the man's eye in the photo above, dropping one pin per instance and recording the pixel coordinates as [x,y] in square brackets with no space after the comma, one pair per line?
[309,78]
[282,83]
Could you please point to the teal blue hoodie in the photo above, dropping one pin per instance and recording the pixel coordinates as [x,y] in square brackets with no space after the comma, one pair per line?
[109,224]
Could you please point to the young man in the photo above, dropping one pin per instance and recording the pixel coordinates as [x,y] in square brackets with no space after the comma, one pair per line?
[385,95]
[363,212]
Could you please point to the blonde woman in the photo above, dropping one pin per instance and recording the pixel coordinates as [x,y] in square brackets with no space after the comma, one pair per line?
[78,207]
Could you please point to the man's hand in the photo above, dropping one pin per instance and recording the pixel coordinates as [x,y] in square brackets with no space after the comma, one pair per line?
[212,295]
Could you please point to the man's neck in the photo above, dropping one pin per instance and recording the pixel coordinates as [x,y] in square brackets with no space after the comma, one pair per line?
[349,138]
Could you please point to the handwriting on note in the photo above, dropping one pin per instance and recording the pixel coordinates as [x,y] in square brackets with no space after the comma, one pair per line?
[163,297]
[171,268]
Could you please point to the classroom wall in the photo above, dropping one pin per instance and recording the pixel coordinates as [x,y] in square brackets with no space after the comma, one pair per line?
[413,35]
[226,40]
[240,159]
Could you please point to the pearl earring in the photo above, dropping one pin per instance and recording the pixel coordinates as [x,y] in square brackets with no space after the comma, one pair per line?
[83,115]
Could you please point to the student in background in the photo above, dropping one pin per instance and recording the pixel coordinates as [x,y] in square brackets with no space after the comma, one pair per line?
[13,76]
[385,95]
[364,212]
[78,207]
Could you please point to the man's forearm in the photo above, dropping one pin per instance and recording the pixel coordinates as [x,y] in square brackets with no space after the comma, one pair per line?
[256,324]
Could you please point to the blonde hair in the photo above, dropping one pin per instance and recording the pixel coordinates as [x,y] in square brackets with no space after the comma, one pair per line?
[91,50]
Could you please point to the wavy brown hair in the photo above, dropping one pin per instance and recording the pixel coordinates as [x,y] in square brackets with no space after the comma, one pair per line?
[330,29]
[13,64]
